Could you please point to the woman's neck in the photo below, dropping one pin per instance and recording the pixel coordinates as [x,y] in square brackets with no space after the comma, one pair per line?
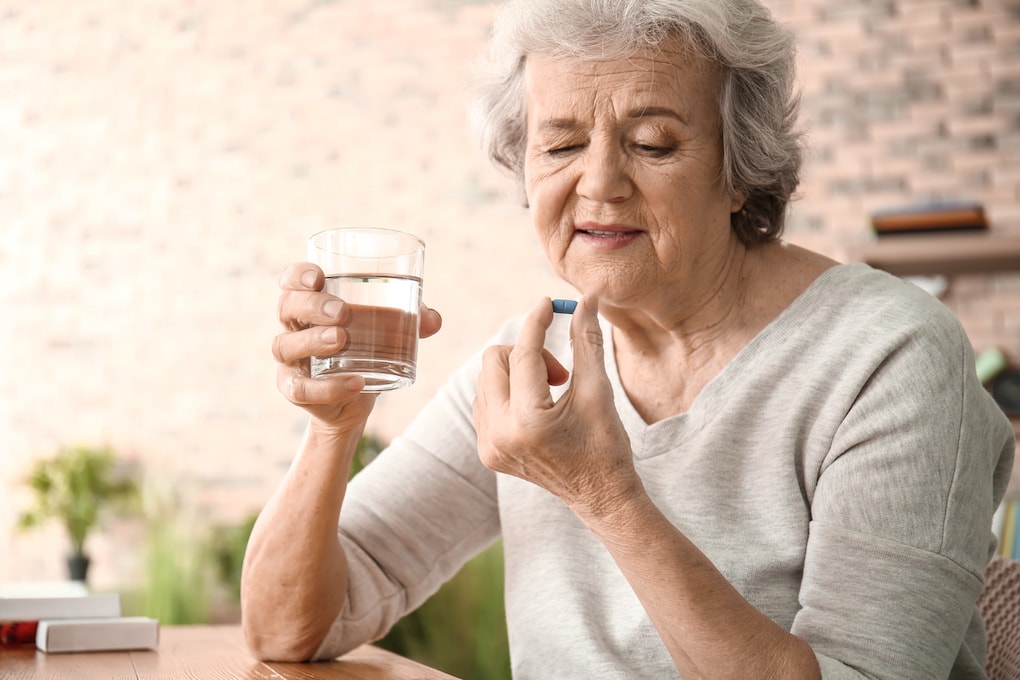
[668,350]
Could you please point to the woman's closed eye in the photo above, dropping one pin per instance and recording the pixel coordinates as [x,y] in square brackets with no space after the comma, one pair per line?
[654,150]
[564,149]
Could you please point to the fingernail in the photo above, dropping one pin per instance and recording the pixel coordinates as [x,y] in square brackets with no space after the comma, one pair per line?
[328,334]
[333,308]
[309,278]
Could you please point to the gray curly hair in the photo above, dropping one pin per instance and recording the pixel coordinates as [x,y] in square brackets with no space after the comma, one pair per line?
[758,105]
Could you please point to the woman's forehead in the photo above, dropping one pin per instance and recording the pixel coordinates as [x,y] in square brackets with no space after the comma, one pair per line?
[659,79]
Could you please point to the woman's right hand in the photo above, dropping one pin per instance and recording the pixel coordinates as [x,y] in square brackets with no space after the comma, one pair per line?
[313,325]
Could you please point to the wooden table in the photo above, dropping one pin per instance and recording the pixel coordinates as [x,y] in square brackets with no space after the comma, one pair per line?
[200,652]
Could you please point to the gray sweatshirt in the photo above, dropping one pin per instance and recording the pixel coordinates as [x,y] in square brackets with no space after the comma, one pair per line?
[841,471]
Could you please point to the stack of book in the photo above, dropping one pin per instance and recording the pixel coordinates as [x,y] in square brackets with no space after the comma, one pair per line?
[930,218]
[73,623]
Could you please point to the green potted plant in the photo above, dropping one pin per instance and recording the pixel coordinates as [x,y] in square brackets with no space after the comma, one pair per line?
[75,488]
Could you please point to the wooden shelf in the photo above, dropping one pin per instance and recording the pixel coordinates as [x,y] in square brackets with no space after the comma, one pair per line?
[947,254]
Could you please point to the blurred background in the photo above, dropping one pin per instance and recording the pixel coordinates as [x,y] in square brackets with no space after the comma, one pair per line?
[161,162]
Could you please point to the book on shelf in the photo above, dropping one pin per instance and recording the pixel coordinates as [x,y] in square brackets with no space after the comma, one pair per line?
[104,634]
[937,217]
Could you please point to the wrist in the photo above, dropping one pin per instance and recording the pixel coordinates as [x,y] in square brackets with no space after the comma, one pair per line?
[615,505]
[338,443]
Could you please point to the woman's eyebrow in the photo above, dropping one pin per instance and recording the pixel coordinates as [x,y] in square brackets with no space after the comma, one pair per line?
[567,124]
[656,112]
[558,124]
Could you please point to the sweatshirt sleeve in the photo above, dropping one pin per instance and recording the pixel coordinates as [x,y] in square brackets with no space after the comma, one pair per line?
[413,517]
[901,515]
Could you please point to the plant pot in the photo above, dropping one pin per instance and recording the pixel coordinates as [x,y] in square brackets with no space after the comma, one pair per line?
[78,567]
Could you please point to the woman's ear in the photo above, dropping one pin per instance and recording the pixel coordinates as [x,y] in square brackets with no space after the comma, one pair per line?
[737,201]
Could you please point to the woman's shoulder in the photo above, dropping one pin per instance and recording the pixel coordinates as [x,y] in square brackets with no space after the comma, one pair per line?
[863,296]
[853,314]
[813,290]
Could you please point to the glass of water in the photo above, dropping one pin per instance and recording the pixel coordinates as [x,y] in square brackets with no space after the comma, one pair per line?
[378,273]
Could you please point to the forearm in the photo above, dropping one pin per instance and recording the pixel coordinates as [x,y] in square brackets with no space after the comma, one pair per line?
[294,581]
[709,628]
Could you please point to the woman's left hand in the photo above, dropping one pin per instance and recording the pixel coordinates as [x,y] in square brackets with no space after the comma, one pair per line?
[576,447]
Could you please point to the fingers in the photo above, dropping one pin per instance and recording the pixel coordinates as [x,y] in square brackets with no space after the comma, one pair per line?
[529,375]
[532,333]
[532,339]
[312,320]
[494,379]
[319,341]
[431,322]
[313,324]
[302,276]
[531,364]
[301,302]
[587,344]
[557,373]
[305,391]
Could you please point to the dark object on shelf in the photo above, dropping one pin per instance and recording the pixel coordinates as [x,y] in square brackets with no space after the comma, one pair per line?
[1006,392]
[930,217]
[78,566]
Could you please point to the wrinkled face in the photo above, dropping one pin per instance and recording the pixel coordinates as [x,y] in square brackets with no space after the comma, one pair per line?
[622,172]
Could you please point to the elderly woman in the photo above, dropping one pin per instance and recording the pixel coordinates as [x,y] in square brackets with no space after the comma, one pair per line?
[762,463]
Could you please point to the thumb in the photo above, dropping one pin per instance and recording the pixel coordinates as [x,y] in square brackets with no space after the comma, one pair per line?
[587,344]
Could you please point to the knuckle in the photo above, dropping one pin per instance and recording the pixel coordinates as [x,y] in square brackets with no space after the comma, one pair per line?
[289,276]
[277,348]
[283,309]
[592,338]
[284,380]
[295,389]
[298,390]
[294,309]
[492,354]
[300,276]
[520,354]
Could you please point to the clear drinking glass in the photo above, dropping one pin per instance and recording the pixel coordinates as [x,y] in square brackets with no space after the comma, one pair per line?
[378,272]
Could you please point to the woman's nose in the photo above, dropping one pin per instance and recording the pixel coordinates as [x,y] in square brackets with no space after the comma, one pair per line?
[604,175]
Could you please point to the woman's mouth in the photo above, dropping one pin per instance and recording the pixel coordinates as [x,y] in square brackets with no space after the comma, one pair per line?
[606,237]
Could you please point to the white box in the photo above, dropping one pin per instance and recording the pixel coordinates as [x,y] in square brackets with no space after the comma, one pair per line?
[97,634]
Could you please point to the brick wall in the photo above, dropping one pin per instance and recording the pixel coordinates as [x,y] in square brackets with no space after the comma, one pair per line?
[908,101]
[161,162]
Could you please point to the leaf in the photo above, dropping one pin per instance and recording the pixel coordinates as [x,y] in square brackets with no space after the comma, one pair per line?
[74,488]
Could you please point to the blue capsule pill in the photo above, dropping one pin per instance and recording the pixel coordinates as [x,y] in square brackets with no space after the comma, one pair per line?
[564,306]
